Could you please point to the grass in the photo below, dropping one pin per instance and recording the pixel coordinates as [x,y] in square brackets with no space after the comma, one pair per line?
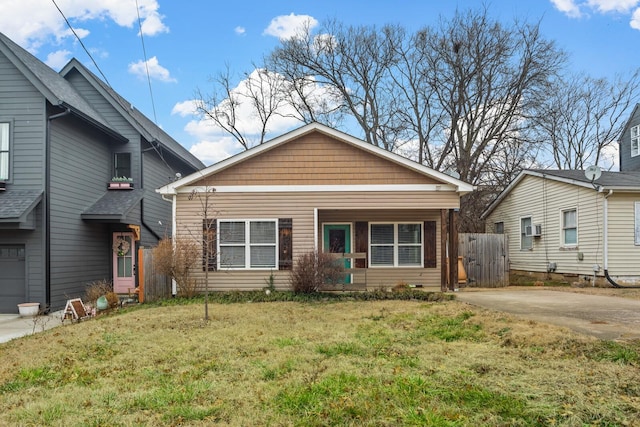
[328,360]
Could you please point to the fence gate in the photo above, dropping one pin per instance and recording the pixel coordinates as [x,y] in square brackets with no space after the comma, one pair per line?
[155,286]
[485,258]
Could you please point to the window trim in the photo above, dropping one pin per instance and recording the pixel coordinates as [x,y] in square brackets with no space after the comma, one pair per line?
[9,150]
[523,233]
[396,245]
[248,245]
[115,165]
[498,227]
[563,228]
[634,129]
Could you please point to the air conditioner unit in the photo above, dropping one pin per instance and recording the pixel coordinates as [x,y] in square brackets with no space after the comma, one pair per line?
[533,230]
[537,230]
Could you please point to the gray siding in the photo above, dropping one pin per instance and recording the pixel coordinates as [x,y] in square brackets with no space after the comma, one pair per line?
[23,106]
[80,169]
[156,210]
[628,163]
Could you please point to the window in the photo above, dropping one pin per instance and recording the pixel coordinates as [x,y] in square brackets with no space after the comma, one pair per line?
[637,224]
[635,140]
[569,227]
[122,165]
[526,240]
[396,245]
[4,151]
[247,244]
[498,227]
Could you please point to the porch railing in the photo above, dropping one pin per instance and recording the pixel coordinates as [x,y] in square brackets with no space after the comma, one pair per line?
[358,274]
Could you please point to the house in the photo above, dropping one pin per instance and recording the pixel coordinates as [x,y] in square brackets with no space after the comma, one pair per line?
[579,225]
[562,224]
[316,188]
[63,137]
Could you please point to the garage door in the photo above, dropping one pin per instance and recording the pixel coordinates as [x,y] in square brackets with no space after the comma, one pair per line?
[12,278]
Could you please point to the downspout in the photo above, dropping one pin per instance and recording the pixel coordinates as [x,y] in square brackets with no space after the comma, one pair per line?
[47,210]
[606,247]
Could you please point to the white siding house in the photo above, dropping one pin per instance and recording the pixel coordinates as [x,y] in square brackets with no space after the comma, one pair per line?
[562,223]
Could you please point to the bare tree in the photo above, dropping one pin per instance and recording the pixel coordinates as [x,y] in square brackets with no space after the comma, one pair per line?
[204,195]
[582,116]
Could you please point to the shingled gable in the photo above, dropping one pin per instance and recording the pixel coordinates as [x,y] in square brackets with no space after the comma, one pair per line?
[416,174]
[149,130]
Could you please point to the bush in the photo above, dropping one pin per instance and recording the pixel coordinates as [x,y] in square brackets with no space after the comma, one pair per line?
[314,269]
[95,290]
[176,260]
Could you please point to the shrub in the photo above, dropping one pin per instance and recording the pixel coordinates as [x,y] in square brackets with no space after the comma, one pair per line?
[313,269]
[95,290]
[176,260]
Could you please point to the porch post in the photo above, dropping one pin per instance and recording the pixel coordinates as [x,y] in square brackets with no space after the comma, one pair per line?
[453,249]
[443,251]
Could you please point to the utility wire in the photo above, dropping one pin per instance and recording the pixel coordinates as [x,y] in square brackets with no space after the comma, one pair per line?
[81,43]
[146,64]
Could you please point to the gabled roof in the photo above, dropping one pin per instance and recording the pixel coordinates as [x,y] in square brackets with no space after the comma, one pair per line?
[614,181]
[636,110]
[461,186]
[149,130]
[53,87]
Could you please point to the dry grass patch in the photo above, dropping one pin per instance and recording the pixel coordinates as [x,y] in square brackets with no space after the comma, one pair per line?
[322,363]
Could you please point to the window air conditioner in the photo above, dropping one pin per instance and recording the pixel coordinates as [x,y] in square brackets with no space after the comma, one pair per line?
[537,230]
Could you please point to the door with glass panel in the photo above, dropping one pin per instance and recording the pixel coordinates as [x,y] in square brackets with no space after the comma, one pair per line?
[337,240]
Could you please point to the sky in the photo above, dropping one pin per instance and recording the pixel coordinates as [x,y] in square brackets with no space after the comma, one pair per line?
[185,43]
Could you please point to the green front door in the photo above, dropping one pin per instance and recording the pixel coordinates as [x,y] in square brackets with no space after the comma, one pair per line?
[337,240]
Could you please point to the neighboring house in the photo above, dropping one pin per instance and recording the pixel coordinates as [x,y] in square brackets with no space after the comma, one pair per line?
[318,188]
[559,221]
[63,137]
[629,143]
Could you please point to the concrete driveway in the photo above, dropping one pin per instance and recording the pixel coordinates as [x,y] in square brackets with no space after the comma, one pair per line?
[605,317]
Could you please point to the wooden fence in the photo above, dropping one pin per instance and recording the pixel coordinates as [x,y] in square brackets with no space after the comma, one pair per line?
[153,285]
[485,258]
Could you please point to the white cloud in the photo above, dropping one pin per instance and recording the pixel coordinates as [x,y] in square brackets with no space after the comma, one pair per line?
[156,71]
[288,26]
[30,23]
[577,9]
[604,6]
[568,7]
[185,108]
[58,59]
[635,19]
[240,30]
[210,152]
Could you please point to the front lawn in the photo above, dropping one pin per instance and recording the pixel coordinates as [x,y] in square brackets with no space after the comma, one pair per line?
[314,363]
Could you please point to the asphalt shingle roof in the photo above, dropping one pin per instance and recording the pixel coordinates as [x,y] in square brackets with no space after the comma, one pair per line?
[607,179]
[114,205]
[15,203]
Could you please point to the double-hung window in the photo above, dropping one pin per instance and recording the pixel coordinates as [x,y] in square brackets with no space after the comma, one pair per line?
[635,140]
[396,245]
[4,151]
[637,223]
[248,244]
[569,227]
[526,240]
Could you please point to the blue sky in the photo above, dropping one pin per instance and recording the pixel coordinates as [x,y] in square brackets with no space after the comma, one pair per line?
[187,42]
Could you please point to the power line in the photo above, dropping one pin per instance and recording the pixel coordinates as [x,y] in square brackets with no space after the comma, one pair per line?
[81,43]
[146,65]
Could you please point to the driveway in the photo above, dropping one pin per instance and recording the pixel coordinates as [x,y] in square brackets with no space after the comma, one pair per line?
[605,317]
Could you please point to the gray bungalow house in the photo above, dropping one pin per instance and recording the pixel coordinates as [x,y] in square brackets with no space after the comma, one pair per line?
[78,169]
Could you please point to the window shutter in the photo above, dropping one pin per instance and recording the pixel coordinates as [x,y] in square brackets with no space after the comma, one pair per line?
[362,242]
[285,251]
[209,240]
[430,245]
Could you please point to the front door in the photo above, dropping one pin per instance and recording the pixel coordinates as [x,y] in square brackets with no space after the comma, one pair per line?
[337,240]
[124,263]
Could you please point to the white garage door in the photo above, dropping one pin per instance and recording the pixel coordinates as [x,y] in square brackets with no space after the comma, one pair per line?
[12,278]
